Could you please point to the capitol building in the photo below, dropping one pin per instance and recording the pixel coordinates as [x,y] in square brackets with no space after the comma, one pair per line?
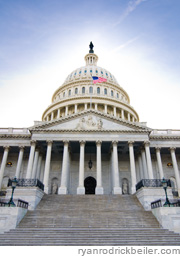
[91,141]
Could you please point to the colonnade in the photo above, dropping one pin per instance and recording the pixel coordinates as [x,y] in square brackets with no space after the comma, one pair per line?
[145,170]
[107,109]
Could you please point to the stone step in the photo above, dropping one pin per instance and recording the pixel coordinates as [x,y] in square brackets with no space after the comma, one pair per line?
[90,221]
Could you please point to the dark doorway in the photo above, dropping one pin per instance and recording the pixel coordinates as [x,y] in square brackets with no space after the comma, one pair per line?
[90,185]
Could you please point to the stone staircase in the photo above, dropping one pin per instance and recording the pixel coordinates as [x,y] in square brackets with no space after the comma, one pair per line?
[89,220]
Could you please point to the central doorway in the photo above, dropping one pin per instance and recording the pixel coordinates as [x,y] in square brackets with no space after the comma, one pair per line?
[90,185]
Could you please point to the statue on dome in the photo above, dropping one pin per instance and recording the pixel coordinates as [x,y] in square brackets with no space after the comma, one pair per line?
[91,46]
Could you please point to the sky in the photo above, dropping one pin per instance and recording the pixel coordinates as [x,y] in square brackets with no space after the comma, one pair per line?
[43,41]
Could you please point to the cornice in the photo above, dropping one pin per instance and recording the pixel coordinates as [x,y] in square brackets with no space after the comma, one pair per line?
[87,131]
[14,136]
[164,138]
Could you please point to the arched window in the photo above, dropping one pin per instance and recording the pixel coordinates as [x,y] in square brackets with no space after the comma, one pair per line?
[98,90]
[90,89]
[70,92]
[117,95]
[112,93]
[76,90]
[105,91]
[64,94]
[83,90]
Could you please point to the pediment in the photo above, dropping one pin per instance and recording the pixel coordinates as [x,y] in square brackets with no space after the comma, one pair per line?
[89,121]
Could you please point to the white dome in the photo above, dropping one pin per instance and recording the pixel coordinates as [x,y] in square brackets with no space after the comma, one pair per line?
[87,72]
[74,95]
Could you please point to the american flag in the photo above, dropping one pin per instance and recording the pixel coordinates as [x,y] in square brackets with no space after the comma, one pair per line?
[98,80]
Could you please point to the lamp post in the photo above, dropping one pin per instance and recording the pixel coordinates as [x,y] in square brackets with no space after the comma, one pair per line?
[14,183]
[165,184]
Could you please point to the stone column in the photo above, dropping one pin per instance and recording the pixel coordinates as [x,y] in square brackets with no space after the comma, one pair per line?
[95,106]
[63,188]
[85,106]
[160,168]
[75,108]
[66,111]
[47,166]
[116,186]
[140,168]
[129,118]
[81,189]
[122,113]
[31,158]
[114,111]
[105,109]
[132,167]
[58,113]
[149,162]
[39,167]
[99,188]
[19,163]
[3,164]
[175,167]
[34,170]
[52,115]
[144,164]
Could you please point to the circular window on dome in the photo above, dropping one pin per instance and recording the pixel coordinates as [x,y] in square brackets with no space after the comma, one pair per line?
[96,71]
[106,74]
[90,71]
[80,72]
[75,74]
[101,72]
[85,71]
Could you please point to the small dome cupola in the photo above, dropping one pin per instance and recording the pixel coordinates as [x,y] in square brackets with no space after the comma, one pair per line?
[91,58]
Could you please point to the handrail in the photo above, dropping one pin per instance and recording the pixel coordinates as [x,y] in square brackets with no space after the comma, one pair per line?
[20,204]
[151,183]
[28,183]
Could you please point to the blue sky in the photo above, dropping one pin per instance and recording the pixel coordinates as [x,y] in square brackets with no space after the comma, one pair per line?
[42,41]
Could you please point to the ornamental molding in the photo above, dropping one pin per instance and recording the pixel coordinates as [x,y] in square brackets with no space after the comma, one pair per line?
[89,124]
[98,142]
